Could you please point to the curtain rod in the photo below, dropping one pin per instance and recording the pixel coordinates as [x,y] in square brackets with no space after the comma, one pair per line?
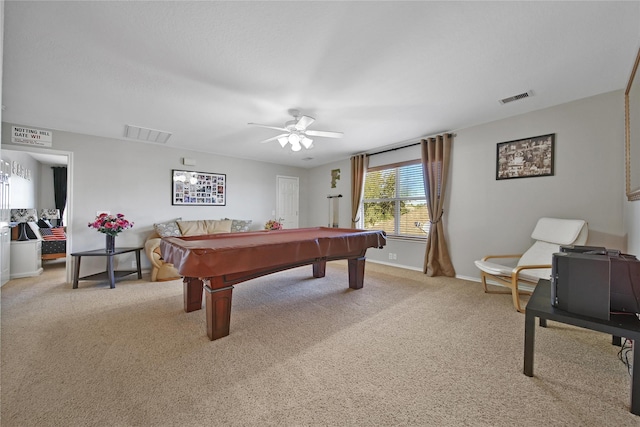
[406,146]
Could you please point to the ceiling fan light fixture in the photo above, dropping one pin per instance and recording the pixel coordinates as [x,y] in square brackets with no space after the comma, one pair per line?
[297,133]
[294,138]
[295,146]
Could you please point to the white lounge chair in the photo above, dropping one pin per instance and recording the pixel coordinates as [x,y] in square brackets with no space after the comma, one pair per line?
[535,264]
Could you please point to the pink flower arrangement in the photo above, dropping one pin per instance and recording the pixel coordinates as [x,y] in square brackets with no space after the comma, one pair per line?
[109,224]
[273,225]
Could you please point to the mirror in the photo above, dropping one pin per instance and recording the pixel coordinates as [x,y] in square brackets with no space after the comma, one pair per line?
[632,133]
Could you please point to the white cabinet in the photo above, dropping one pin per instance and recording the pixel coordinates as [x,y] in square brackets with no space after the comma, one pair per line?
[5,254]
[26,258]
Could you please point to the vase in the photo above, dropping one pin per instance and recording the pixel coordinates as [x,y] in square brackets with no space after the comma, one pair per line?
[111,243]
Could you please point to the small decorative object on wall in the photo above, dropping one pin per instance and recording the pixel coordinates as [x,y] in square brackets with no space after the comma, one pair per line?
[111,226]
[525,158]
[335,176]
[198,188]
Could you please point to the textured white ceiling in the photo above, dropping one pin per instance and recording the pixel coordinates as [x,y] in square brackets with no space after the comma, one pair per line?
[381,72]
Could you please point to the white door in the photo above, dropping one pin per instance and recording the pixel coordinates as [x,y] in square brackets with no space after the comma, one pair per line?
[287,201]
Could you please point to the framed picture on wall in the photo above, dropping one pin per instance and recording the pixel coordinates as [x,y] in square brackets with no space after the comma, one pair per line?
[191,188]
[525,158]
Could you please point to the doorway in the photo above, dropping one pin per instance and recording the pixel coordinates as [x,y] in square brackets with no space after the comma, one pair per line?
[58,158]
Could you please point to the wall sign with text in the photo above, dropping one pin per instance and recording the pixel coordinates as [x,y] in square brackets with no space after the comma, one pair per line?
[28,136]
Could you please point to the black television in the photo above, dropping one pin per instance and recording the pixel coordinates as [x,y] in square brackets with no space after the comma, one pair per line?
[595,281]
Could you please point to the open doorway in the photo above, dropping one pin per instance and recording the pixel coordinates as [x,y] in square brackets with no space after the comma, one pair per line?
[43,197]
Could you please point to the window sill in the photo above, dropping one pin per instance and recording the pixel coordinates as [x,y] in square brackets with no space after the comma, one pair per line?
[415,239]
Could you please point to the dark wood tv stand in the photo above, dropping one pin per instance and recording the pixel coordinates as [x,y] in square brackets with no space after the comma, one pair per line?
[621,325]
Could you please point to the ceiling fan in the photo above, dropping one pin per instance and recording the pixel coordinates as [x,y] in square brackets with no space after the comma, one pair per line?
[296,132]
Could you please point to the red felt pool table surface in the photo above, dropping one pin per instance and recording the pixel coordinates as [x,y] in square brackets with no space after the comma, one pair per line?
[219,261]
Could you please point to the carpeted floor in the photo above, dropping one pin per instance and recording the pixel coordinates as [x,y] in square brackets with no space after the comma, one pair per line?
[404,350]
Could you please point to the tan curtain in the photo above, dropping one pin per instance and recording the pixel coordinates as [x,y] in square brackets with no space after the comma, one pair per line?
[436,154]
[359,166]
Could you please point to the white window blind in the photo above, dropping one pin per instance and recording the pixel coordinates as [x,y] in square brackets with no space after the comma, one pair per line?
[394,200]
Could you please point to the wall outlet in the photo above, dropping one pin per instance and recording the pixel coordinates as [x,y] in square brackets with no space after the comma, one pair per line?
[133,264]
[393,255]
[390,255]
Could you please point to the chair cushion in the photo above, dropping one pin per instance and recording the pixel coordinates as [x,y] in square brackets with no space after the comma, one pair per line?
[560,231]
[493,268]
[539,253]
[501,270]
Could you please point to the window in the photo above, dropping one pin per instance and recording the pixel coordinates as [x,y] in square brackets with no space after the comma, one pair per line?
[394,200]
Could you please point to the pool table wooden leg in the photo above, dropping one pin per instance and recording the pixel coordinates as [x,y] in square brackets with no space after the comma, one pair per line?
[218,303]
[356,272]
[192,291]
[320,268]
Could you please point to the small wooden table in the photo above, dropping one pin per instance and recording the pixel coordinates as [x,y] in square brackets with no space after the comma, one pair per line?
[620,325]
[109,273]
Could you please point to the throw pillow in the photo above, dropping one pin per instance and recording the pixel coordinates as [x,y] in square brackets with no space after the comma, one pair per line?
[192,228]
[239,225]
[44,223]
[213,226]
[168,229]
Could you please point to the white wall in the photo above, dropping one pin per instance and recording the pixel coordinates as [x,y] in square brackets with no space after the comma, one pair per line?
[24,192]
[320,188]
[485,216]
[632,226]
[46,195]
[488,216]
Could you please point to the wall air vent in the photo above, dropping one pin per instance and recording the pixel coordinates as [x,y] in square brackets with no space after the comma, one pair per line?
[145,134]
[516,97]
[306,159]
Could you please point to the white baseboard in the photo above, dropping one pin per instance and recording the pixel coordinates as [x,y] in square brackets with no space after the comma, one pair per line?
[406,267]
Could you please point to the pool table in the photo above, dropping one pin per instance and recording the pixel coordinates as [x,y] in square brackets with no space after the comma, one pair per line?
[216,262]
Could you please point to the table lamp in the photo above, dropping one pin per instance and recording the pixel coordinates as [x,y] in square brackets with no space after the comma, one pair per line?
[22,217]
[50,214]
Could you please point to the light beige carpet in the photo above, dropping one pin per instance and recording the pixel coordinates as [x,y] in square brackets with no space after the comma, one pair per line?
[404,350]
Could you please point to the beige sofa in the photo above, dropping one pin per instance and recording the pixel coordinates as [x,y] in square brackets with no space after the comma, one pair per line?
[161,270]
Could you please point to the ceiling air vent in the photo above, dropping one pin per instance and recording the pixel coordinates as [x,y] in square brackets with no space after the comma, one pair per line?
[516,97]
[144,134]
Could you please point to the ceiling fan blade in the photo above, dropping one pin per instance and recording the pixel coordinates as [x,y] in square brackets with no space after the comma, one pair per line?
[304,122]
[268,127]
[274,138]
[324,133]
